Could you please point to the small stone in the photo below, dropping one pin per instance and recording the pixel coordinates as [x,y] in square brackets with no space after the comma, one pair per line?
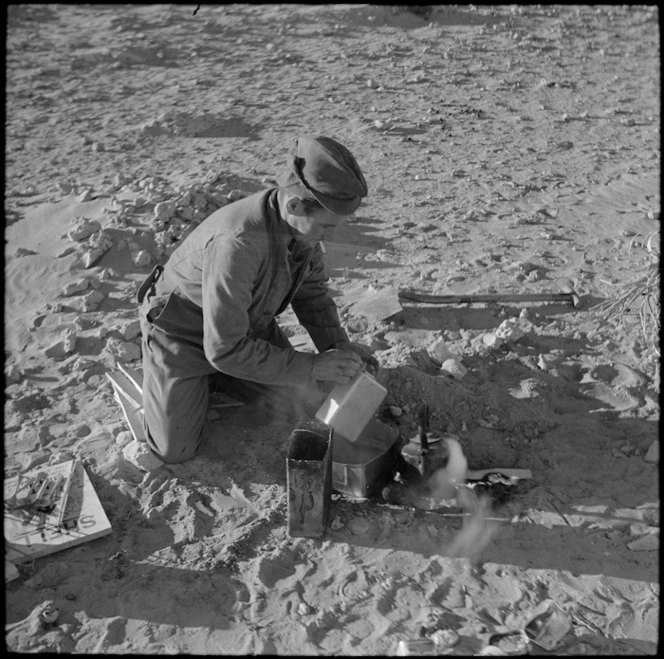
[90,257]
[164,210]
[123,350]
[651,516]
[91,301]
[454,368]
[56,351]
[142,258]
[22,251]
[83,229]
[360,526]
[445,638]
[13,374]
[86,195]
[65,252]
[510,330]
[123,438]
[439,351]
[544,363]
[396,411]
[648,542]
[132,330]
[637,529]
[76,287]
[336,523]
[69,340]
[652,454]
[140,455]
[303,609]
[492,341]
[372,84]
[83,364]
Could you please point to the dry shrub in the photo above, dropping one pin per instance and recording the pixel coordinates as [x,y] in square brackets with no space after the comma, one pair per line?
[642,296]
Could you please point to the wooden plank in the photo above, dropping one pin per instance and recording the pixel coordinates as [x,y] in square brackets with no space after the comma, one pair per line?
[569,298]
[123,385]
[30,535]
[135,377]
[132,411]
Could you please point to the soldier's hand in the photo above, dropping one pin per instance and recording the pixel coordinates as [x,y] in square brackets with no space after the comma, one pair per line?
[338,366]
[366,355]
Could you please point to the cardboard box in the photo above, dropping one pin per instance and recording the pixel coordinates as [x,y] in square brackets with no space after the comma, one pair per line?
[349,407]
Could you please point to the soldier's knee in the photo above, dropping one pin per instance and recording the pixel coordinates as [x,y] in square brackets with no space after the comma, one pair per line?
[175,447]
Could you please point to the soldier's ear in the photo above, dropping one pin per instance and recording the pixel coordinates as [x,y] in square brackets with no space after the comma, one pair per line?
[295,206]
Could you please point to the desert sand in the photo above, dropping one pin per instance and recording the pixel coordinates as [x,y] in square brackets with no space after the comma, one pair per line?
[508,149]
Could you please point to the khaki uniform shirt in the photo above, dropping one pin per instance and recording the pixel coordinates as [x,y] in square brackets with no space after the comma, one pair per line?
[238,270]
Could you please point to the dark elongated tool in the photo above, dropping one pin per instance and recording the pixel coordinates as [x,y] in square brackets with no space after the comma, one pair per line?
[567,298]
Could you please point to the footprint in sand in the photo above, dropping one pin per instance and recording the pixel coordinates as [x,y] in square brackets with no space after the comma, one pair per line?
[353,587]
[273,570]
[115,634]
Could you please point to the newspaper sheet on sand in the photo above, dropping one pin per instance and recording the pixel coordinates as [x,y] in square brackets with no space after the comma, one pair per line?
[76,517]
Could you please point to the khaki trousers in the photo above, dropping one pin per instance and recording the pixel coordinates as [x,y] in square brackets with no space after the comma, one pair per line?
[177,379]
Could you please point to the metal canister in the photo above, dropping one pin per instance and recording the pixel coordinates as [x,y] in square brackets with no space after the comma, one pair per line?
[548,626]
[425,453]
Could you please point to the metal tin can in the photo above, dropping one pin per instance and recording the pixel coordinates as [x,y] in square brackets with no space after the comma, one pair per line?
[548,626]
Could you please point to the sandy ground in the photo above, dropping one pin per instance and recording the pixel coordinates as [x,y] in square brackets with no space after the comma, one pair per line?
[511,149]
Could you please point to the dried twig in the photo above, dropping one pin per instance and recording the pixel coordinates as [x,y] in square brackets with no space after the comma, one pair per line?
[646,289]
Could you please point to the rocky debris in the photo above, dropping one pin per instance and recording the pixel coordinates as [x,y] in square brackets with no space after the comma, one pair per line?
[83,364]
[140,455]
[651,516]
[69,340]
[492,341]
[184,124]
[164,211]
[83,228]
[123,438]
[97,246]
[22,251]
[454,368]
[510,330]
[439,350]
[13,374]
[76,286]
[90,302]
[648,542]
[652,454]
[141,258]
[132,330]
[64,347]
[123,350]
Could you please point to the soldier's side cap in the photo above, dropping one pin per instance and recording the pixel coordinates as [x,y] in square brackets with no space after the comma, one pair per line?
[329,171]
